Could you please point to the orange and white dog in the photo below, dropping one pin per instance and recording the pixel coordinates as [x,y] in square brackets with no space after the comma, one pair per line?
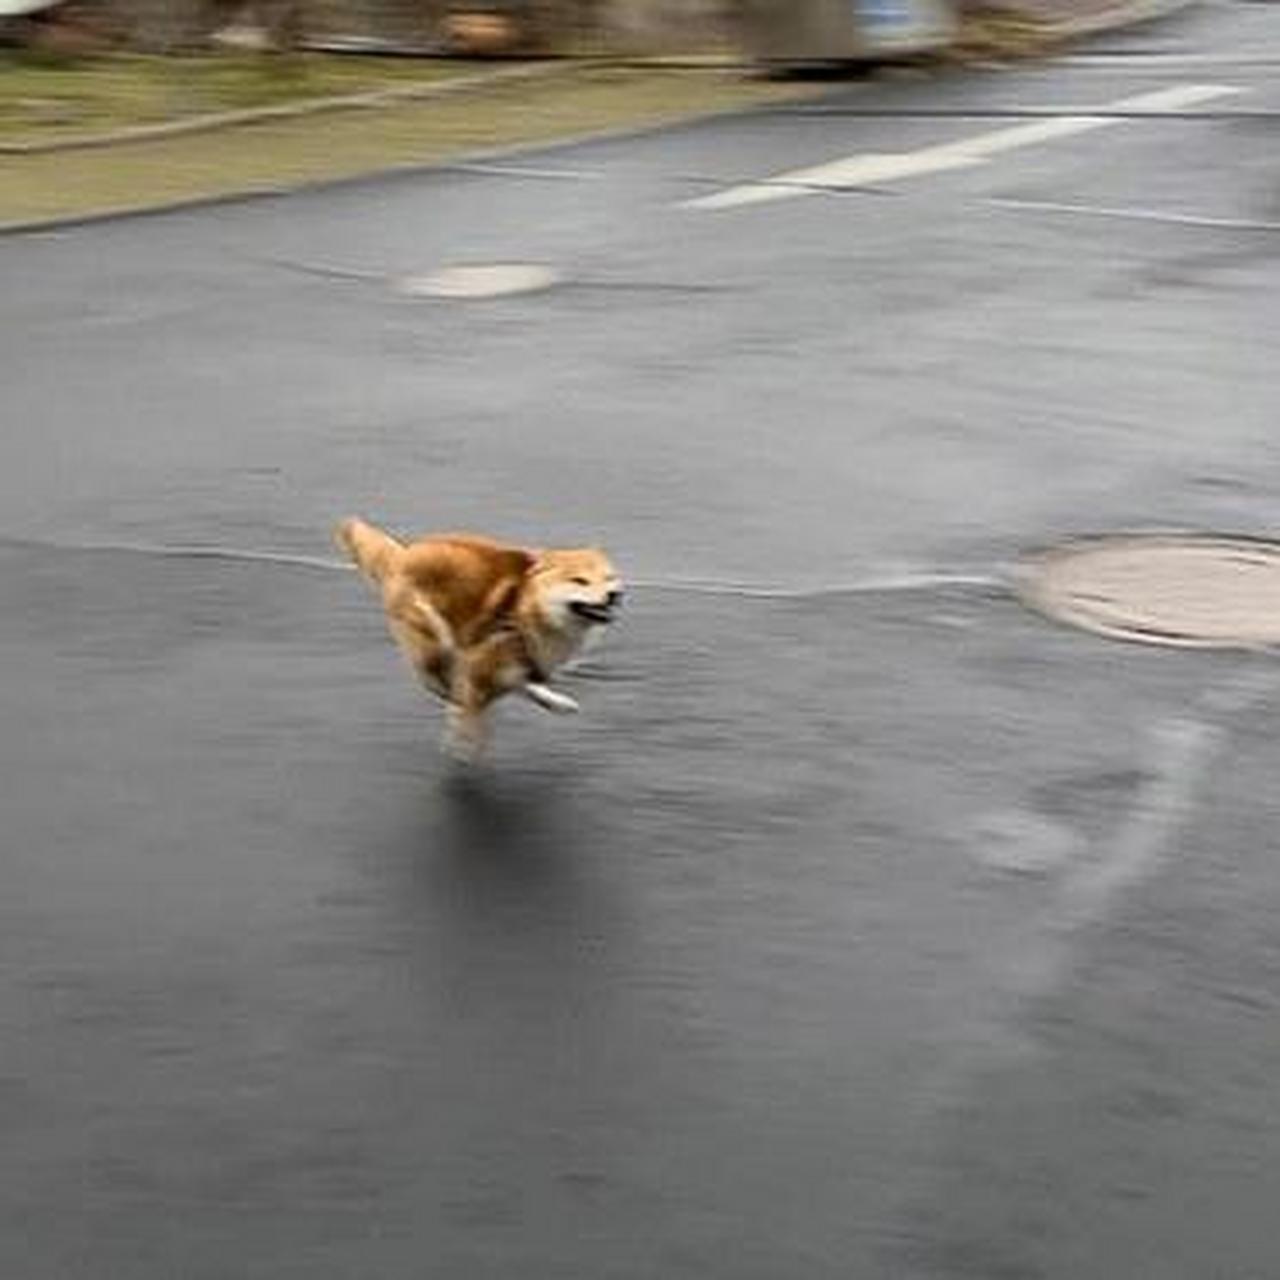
[478,619]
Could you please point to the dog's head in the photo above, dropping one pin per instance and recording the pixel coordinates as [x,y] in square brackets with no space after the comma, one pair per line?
[577,587]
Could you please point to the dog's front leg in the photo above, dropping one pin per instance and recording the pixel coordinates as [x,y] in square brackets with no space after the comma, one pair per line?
[466,730]
[549,698]
[465,734]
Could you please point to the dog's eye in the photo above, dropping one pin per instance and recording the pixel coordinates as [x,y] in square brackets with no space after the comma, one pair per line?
[580,582]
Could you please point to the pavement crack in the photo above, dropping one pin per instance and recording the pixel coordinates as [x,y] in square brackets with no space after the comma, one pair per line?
[1136,214]
[652,286]
[323,270]
[905,580]
[875,583]
[527,172]
[177,551]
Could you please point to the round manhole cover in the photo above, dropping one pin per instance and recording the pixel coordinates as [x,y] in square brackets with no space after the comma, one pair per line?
[483,280]
[1208,592]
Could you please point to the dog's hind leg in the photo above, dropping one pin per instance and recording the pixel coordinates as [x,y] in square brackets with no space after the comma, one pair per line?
[475,682]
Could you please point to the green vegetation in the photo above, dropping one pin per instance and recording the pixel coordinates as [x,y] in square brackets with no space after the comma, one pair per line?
[45,99]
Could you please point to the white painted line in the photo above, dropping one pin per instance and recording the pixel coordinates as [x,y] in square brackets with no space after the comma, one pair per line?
[840,175]
[871,167]
[1175,98]
[1139,215]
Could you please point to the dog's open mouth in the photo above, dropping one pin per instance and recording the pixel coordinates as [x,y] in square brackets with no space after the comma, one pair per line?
[601,613]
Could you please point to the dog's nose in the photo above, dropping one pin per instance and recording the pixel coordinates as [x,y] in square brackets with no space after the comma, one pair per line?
[613,599]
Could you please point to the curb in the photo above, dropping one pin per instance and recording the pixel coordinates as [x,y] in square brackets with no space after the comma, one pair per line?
[288,111]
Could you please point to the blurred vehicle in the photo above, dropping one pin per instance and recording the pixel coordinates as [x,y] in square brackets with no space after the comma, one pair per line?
[794,34]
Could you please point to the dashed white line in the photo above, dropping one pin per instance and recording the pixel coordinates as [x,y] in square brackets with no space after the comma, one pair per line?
[872,167]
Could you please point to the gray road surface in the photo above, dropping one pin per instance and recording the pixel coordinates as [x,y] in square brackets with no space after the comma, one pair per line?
[865,925]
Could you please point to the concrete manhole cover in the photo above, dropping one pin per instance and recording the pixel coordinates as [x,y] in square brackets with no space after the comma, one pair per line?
[483,280]
[1206,592]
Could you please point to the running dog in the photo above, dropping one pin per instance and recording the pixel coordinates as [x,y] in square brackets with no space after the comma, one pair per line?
[479,619]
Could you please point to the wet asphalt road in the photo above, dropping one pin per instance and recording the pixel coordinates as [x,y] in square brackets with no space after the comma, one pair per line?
[863,925]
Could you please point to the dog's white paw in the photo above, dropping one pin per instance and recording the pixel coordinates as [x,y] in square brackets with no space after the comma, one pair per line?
[463,741]
[559,703]
[464,752]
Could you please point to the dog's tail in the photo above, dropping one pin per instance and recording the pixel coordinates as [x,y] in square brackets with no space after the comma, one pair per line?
[375,553]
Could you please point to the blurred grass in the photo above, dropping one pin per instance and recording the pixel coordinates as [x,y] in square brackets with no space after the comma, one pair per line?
[338,144]
[42,99]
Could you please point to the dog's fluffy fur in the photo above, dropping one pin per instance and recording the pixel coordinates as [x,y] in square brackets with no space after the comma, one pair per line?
[478,619]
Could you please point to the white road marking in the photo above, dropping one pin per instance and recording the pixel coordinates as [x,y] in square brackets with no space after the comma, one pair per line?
[1135,214]
[872,167]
